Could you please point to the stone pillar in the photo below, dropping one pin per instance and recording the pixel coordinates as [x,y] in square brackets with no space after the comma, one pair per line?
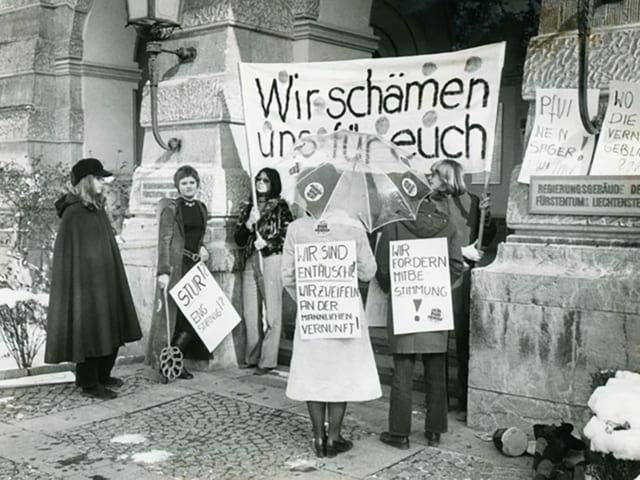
[562,299]
[40,107]
[200,103]
[328,30]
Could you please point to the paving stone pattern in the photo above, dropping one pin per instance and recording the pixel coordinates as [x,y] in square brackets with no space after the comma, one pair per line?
[435,464]
[37,401]
[17,471]
[209,436]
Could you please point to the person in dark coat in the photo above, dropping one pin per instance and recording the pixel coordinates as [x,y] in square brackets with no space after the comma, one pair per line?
[467,215]
[182,224]
[432,220]
[91,311]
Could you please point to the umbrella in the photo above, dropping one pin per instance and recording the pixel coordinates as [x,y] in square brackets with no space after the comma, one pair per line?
[371,179]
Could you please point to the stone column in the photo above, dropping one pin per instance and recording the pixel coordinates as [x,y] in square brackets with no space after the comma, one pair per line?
[332,30]
[200,103]
[40,108]
[562,299]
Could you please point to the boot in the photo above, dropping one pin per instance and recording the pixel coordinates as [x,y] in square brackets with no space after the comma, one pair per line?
[182,341]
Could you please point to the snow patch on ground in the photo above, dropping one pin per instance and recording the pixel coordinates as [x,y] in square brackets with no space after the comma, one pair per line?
[153,456]
[129,438]
[615,427]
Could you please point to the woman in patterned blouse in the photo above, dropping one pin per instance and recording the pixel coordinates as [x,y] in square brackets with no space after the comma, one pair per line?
[261,231]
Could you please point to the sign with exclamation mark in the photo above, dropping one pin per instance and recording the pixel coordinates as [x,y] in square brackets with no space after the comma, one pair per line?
[416,303]
[420,286]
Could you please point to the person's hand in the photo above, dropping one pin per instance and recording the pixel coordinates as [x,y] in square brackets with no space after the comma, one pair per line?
[470,252]
[485,203]
[254,216]
[204,254]
[260,243]
[163,281]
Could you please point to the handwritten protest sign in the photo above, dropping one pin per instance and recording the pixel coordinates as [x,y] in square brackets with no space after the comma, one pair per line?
[205,305]
[327,287]
[377,306]
[559,144]
[420,286]
[441,105]
[618,150]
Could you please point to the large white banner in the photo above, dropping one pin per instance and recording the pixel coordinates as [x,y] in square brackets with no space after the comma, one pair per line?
[328,299]
[618,150]
[436,106]
[559,144]
[205,305]
[420,286]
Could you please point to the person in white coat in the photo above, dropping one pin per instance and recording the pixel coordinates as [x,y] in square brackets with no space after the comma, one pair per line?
[328,373]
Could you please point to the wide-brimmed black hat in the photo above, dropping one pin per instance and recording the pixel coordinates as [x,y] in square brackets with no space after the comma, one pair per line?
[88,166]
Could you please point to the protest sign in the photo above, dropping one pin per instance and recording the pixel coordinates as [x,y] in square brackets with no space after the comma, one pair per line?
[436,106]
[420,286]
[559,144]
[328,300]
[618,150]
[377,306]
[205,305]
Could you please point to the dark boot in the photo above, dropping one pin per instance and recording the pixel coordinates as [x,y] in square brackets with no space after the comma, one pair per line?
[182,342]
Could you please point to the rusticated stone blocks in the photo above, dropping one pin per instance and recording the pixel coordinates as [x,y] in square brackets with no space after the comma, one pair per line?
[545,318]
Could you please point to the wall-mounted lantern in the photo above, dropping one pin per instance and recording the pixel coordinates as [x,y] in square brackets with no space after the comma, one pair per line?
[155,21]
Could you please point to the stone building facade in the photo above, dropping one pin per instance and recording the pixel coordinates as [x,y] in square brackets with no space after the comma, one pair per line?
[562,299]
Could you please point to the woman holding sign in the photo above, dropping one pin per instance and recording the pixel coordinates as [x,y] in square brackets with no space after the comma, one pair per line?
[261,230]
[181,227]
[433,220]
[329,372]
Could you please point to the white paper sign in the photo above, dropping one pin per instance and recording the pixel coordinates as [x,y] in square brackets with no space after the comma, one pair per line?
[420,286]
[377,306]
[328,300]
[618,150]
[436,106]
[205,305]
[559,144]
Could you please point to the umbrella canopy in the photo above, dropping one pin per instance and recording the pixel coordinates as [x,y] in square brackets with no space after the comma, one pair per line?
[369,178]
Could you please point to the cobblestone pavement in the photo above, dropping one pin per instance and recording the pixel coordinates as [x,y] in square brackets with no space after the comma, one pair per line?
[219,427]
[436,464]
[37,401]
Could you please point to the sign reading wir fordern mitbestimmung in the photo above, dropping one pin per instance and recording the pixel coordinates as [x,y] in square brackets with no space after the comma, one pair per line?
[585,195]
[420,285]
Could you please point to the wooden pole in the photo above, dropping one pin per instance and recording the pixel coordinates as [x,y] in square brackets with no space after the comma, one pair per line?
[483,211]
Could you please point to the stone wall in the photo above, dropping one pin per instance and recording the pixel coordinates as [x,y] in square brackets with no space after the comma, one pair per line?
[562,299]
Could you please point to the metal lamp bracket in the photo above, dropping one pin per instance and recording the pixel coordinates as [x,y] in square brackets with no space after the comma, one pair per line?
[585,9]
[185,55]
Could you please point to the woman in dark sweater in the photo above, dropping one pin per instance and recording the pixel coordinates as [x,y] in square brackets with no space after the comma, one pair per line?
[181,228]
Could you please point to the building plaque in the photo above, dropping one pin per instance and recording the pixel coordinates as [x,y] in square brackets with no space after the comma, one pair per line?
[585,195]
[152,191]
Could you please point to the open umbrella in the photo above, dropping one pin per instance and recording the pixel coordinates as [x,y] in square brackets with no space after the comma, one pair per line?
[368,177]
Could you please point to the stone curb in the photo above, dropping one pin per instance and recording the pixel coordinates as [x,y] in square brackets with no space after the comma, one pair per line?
[60,367]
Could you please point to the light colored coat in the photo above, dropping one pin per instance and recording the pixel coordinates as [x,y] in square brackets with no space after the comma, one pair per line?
[336,369]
